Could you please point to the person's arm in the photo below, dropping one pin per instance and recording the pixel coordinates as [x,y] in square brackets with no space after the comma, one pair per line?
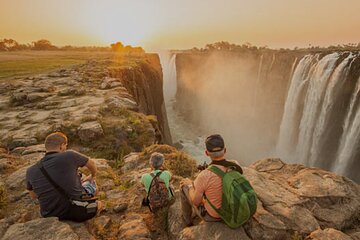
[195,190]
[90,164]
[32,195]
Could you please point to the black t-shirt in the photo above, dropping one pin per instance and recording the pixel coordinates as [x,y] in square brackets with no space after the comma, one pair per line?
[62,168]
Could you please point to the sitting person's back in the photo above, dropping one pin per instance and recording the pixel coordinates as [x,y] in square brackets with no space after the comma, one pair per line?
[62,167]
[204,196]
[158,178]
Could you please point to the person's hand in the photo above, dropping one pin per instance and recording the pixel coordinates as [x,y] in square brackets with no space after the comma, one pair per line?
[89,178]
[185,181]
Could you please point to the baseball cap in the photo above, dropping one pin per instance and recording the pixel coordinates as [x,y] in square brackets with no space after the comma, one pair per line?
[214,143]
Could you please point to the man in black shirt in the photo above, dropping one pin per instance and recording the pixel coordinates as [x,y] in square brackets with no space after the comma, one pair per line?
[62,166]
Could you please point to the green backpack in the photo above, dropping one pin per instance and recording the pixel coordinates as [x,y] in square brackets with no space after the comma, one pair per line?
[239,199]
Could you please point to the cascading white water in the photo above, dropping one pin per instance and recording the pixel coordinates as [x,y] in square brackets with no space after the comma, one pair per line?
[314,97]
[181,131]
[289,124]
[257,84]
[169,76]
[333,91]
[350,139]
[314,111]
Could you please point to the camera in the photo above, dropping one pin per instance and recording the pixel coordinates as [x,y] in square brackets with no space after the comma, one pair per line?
[203,166]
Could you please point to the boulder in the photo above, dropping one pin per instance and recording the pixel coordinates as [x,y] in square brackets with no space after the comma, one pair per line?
[100,225]
[212,231]
[328,234]
[22,141]
[81,230]
[89,131]
[3,227]
[116,102]
[30,149]
[134,228]
[131,162]
[16,180]
[120,207]
[355,235]
[40,229]
[72,91]
[35,97]
[109,83]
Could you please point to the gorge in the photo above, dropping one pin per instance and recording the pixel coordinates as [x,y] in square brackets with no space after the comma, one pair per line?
[299,106]
[119,109]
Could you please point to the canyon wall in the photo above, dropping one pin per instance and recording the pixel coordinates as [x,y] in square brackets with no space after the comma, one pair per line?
[145,83]
[300,106]
[238,95]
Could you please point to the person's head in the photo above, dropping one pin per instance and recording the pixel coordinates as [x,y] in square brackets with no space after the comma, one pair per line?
[156,160]
[56,142]
[215,147]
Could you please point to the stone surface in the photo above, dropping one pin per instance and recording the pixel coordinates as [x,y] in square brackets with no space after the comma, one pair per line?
[90,131]
[120,208]
[130,162]
[328,234]
[22,142]
[29,149]
[40,229]
[116,102]
[17,179]
[292,199]
[212,231]
[134,228]
[108,83]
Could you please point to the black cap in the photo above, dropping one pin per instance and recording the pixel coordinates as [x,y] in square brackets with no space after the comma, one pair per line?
[214,143]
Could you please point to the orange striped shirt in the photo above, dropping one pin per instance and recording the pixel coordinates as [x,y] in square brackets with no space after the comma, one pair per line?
[211,184]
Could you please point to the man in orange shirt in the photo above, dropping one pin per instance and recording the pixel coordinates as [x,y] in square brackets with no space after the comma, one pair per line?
[207,184]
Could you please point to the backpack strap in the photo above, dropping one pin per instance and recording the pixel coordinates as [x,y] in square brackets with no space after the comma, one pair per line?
[52,182]
[153,177]
[216,170]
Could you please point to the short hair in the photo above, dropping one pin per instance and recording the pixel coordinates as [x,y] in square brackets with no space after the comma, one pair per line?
[157,160]
[218,154]
[54,140]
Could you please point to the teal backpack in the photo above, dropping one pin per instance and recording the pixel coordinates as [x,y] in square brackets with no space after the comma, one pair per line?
[239,199]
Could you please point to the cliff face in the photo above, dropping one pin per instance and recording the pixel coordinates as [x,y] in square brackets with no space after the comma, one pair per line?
[249,89]
[110,100]
[145,83]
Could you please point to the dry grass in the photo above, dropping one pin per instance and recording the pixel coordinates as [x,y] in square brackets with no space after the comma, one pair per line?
[179,163]
[24,63]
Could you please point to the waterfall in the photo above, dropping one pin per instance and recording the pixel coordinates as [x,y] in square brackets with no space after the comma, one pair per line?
[290,121]
[314,97]
[350,139]
[257,85]
[324,121]
[316,128]
[182,132]
[169,75]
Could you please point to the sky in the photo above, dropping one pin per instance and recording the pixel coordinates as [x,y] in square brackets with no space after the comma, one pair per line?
[182,24]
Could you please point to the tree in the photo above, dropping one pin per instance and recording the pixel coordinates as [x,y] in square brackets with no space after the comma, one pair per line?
[118,46]
[43,44]
[8,45]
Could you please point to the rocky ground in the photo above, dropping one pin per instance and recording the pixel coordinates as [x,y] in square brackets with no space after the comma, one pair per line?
[107,117]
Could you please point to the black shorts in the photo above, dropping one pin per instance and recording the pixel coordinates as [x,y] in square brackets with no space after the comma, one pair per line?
[79,214]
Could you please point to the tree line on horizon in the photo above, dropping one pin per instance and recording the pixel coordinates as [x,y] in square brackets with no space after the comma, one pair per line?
[226,46]
[45,45]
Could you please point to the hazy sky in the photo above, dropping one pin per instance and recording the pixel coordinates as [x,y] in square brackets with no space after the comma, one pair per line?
[157,24]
